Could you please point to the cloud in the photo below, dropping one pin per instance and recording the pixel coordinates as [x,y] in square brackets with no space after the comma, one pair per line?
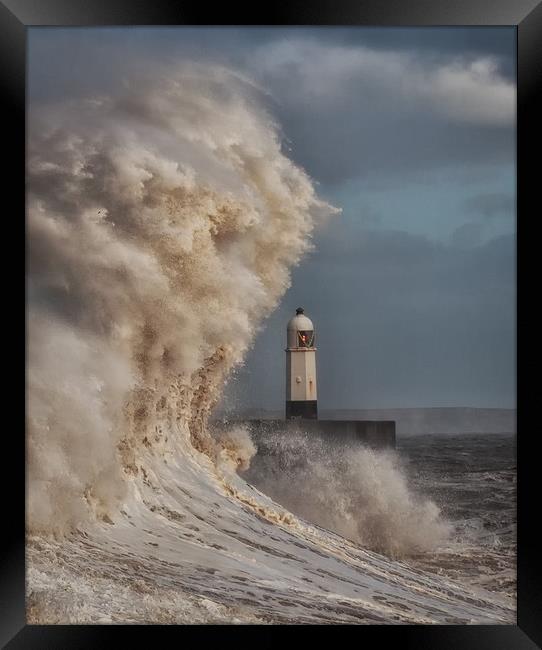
[474,92]
[471,91]
[467,235]
[354,112]
[494,204]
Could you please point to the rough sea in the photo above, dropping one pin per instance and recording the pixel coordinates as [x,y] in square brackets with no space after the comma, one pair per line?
[472,478]
[194,546]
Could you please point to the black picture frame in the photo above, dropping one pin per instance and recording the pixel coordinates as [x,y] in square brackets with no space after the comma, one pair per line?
[526,15]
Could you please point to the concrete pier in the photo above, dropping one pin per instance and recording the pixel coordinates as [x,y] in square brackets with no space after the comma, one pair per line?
[376,434]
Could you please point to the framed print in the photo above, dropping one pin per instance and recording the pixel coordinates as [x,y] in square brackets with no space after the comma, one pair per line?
[273,322]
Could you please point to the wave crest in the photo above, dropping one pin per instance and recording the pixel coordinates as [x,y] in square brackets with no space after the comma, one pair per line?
[163,223]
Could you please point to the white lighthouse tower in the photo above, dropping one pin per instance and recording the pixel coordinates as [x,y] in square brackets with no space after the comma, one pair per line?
[301,400]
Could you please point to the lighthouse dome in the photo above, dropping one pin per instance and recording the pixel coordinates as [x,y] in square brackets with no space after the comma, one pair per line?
[300,331]
[300,323]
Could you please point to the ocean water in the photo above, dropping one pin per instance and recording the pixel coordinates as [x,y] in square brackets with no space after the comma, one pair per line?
[472,477]
[193,545]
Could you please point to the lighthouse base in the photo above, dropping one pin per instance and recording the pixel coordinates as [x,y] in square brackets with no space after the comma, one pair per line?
[306,409]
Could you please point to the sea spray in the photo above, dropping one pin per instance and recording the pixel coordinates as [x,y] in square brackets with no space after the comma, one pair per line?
[162,222]
[360,493]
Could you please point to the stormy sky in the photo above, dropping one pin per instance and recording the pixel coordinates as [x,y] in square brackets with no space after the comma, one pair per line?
[411,132]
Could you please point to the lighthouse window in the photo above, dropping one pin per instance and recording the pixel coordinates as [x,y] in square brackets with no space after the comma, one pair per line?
[305,339]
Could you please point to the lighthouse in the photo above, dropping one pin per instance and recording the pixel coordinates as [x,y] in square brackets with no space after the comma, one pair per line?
[302,410]
[301,399]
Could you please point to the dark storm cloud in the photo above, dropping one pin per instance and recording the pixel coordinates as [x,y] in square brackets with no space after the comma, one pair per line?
[491,205]
[419,314]
[355,111]
[402,266]
[438,43]
[467,235]
[405,322]
[386,146]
